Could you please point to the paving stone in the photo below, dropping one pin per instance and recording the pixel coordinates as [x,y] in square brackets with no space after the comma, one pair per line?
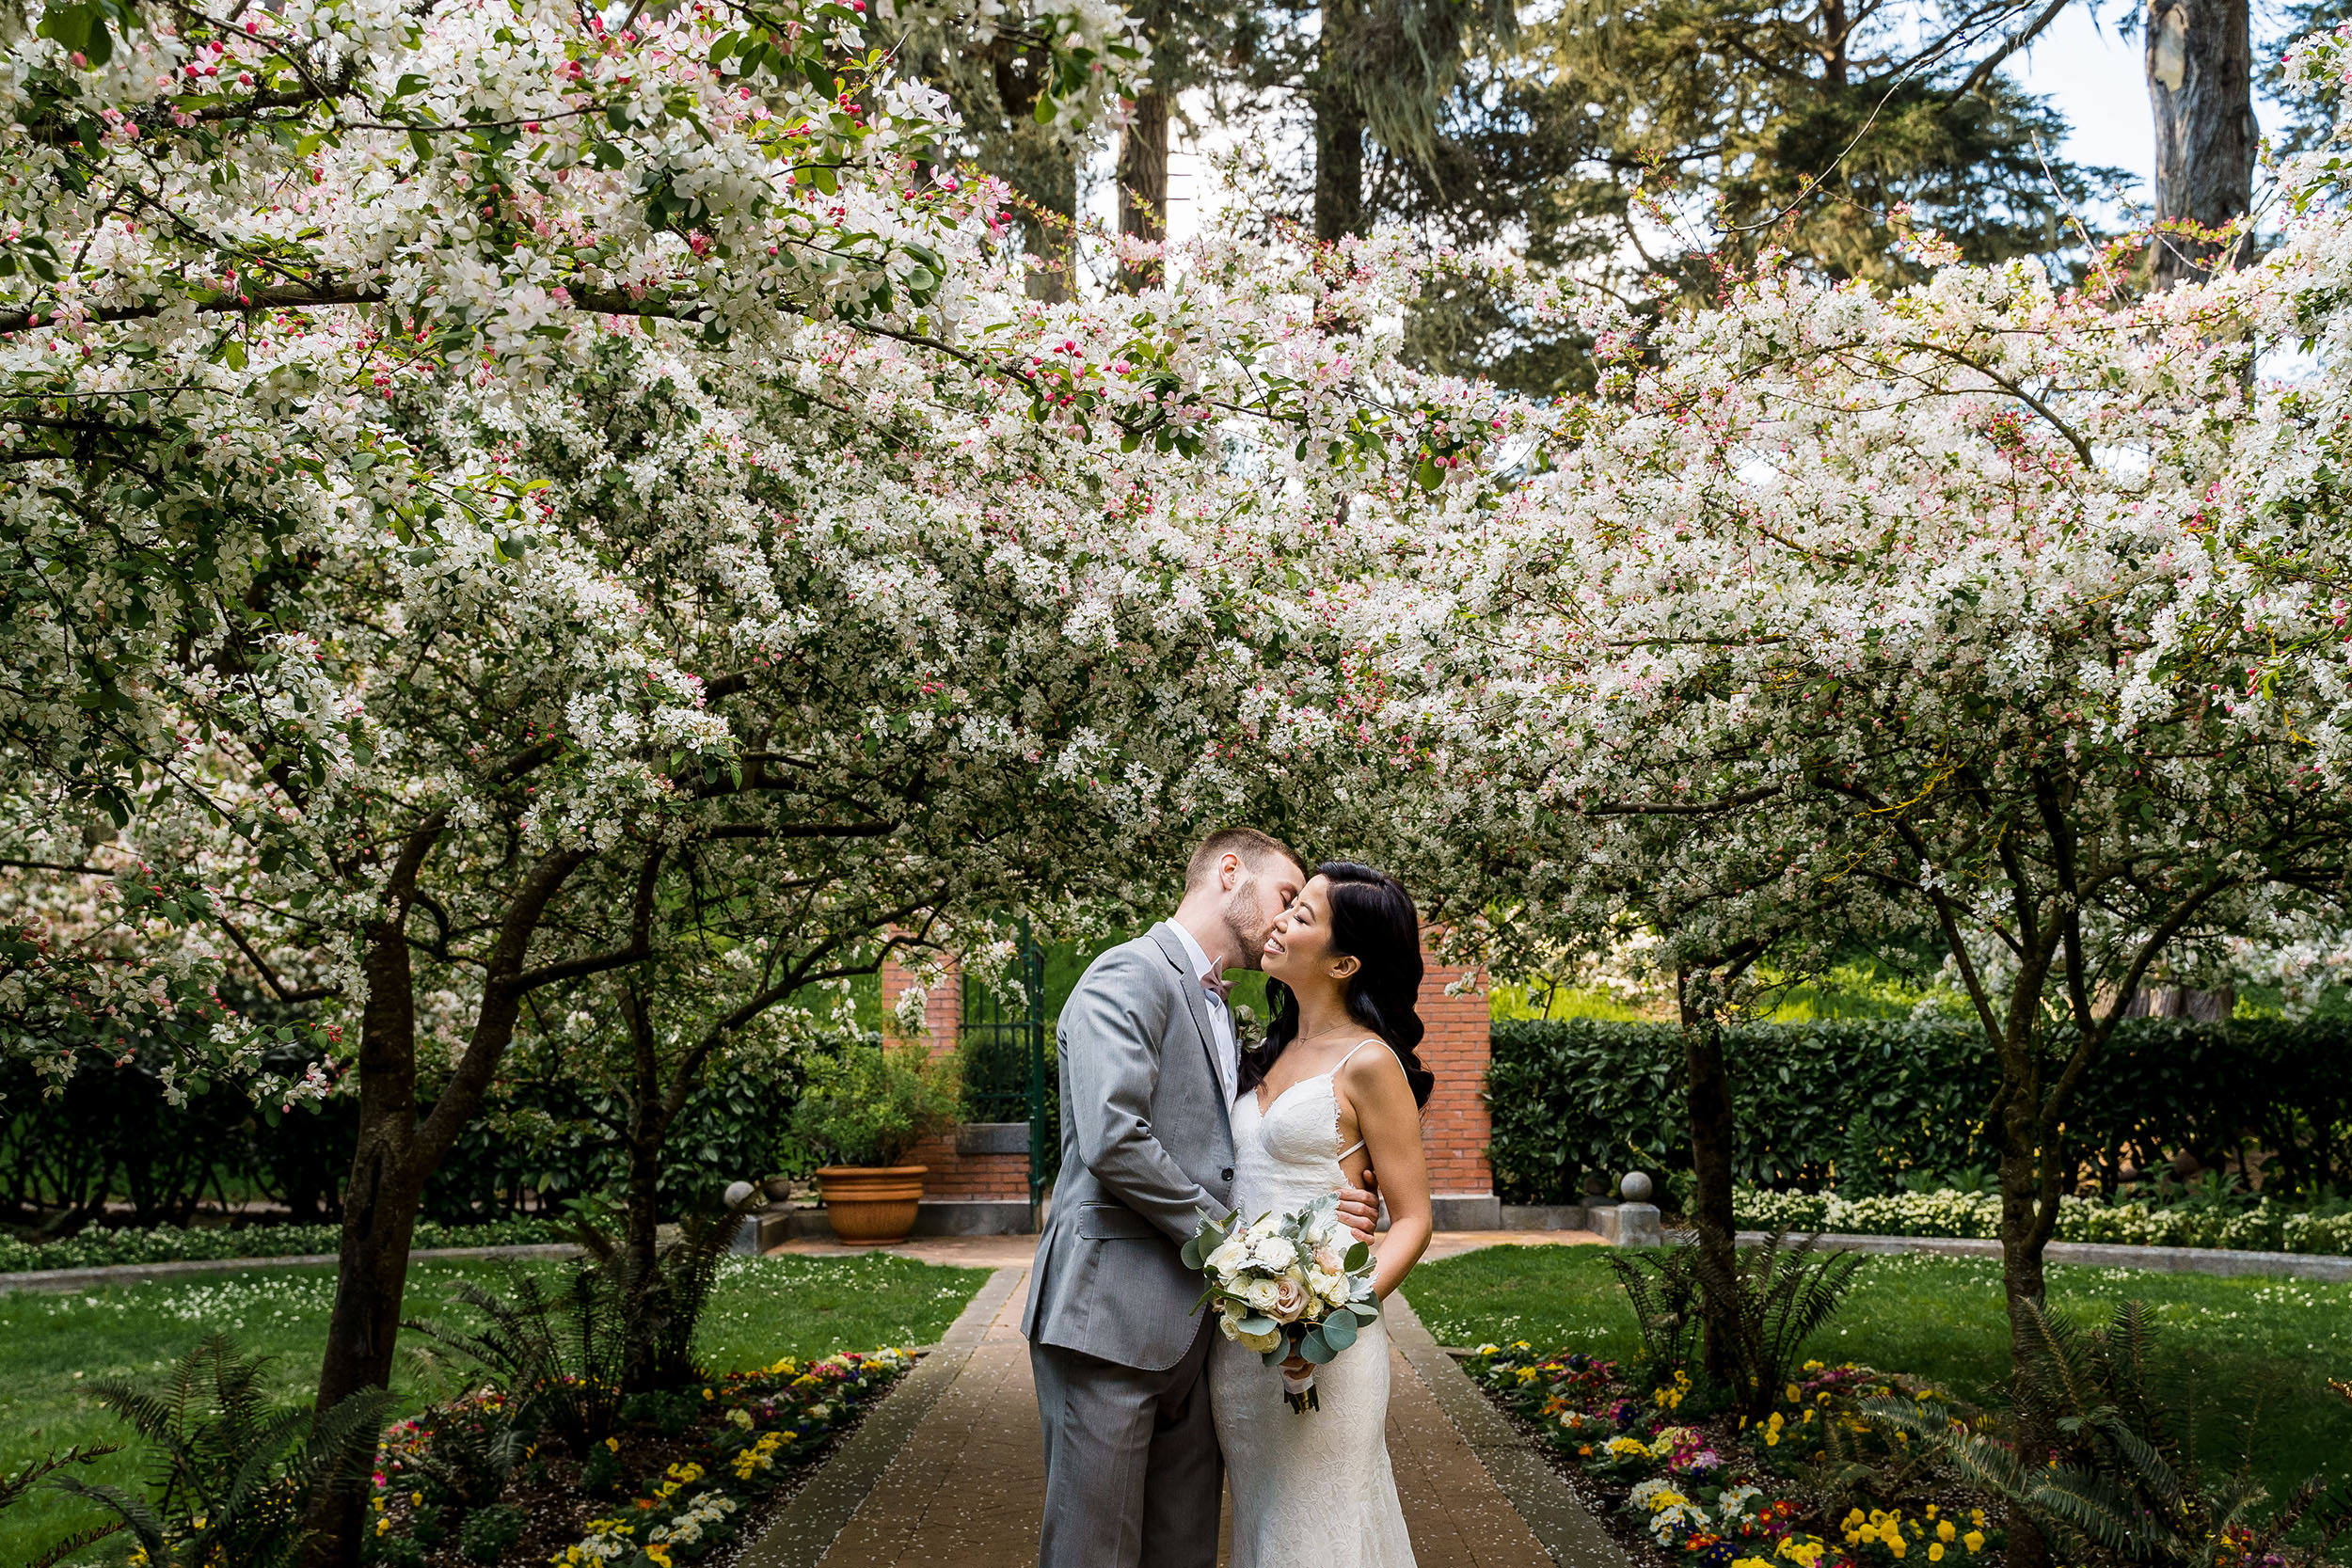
[968,1486]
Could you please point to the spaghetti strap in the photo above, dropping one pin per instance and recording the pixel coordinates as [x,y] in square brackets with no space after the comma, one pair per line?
[1335,1072]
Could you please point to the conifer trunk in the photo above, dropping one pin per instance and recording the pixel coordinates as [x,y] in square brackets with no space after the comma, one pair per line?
[1712,1148]
[1143,183]
[2200,66]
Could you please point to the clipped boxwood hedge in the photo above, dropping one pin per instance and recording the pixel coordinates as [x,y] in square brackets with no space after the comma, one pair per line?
[1856,1103]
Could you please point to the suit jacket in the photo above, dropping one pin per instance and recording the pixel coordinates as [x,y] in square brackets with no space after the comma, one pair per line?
[1147,1146]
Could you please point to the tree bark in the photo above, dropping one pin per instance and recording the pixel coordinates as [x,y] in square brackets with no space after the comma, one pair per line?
[1711,1149]
[1143,183]
[2199,68]
[2024,1235]
[1339,165]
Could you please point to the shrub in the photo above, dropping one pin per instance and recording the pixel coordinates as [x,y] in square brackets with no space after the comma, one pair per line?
[1811,1101]
[2258,1225]
[870,1103]
[235,1475]
[489,1531]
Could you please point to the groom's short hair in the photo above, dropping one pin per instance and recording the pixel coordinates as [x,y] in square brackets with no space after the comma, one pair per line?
[1254,848]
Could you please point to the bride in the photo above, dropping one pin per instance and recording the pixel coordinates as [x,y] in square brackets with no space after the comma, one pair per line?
[1335,1092]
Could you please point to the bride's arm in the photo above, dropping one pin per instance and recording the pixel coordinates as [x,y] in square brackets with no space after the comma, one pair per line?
[1389,1123]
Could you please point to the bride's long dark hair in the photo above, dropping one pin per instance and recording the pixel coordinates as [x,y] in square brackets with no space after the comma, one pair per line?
[1374,922]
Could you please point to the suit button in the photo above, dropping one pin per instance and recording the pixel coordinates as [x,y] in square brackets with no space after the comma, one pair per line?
[1225,1175]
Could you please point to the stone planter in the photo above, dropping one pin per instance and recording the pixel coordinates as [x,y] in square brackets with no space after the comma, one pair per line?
[778,1188]
[871,1205]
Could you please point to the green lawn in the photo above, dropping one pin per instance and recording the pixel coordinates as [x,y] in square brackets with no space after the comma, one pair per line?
[2252,1352]
[50,1346]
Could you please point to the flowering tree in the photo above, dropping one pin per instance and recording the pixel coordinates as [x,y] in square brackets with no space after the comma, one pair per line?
[1942,607]
[509,502]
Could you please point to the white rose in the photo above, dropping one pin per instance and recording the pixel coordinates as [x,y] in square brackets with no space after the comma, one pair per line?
[1227,1323]
[1260,1294]
[1331,1287]
[1231,1256]
[1262,1343]
[1290,1300]
[1273,1252]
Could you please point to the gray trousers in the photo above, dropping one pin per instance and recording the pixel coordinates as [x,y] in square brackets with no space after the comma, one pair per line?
[1133,1477]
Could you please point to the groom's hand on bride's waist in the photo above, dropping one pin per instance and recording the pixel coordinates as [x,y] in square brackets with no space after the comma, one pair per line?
[1360,1207]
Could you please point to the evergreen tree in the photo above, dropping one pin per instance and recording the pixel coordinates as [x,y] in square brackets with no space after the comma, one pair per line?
[1655,139]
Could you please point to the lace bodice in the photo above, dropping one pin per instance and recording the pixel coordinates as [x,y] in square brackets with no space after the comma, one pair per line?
[1288,1155]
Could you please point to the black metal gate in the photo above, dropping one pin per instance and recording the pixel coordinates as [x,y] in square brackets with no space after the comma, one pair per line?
[1007,1073]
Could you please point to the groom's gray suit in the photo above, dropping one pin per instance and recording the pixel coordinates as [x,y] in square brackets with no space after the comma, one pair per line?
[1132,1474]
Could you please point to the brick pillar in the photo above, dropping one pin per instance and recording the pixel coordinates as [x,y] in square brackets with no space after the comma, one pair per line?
[974,1172]
[1454,1126]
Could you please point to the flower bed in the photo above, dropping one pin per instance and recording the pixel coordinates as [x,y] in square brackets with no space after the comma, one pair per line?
[680,1477]
[169,1244]
[2261,1226]
[1814,1485]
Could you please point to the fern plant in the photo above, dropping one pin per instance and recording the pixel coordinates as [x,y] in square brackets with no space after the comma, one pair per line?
[233,1475]
[16,1483]
[2124,1490]
[1779,1294]
[660,1307]
[1664,1291]
[555,1355]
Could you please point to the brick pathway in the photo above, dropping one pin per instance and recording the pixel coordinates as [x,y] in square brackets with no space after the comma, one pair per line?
[967,1486]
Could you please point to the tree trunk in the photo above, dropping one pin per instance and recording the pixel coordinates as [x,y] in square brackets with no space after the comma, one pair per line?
[647,1125]
[1339,165]
[1711,1136]
[2024,1238]
[1143,184]
[2200,66]
[380,1205]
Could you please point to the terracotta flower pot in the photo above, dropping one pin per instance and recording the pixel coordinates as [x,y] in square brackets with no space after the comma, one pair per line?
[871,1205]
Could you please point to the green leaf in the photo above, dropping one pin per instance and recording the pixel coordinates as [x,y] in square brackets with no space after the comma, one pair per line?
[1043,112]
[1339,1330]
[1357,1255]
[1315,1349]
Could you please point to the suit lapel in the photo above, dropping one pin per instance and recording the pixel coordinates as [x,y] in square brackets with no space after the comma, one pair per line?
[1196,1004]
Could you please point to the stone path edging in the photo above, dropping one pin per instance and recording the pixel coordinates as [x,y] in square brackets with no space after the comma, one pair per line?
[140,1274]
[2110,1255]
[1562,1526]
[804,1531]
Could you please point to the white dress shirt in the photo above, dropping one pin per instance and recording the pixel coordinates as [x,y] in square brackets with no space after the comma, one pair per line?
[1228,1047]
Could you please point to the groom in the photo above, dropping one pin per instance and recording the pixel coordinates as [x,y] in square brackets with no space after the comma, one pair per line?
[1149,1063]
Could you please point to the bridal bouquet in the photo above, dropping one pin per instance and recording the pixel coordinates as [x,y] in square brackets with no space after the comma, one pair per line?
[1297,1284]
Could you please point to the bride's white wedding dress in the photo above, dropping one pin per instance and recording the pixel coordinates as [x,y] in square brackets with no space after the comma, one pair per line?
[1311,1487]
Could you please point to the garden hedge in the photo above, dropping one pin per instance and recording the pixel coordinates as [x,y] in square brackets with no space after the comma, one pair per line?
[111,1134]
[1860,1104]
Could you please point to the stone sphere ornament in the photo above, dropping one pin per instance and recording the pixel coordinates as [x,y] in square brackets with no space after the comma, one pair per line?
[739,1192]
[1635,1188]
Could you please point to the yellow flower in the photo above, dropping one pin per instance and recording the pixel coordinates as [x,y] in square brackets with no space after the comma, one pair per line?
[1796,1395]
[1976,1517]
[1772,1438]
[1895,1544]
[1930,1511]
[1935,1552]
[1974,1540]
[1944,1530]
[383,1525]
[416,1499]
[613,1444]
[1853,1518]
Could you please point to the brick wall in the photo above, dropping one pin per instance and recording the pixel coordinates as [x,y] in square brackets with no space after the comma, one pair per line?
[952,1175]
[1454,1125]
